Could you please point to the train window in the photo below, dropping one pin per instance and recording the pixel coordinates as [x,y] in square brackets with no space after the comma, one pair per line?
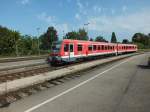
[90,47]
[105,47]
[111,47]
[71,48]
[66,47]
[94,47]
[99,47]
[102,47]
[79,47]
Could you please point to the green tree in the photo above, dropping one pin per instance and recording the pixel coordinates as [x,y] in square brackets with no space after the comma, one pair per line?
[72,35]
[141,39]
[100,39]
[8,40]
[79,35]
[25,45]
[91,39]
[125,41]
[48,37]
[83,34]
[113,38]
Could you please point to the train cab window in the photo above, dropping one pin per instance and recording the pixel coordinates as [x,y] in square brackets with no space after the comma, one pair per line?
[94,47]
[90,47]
[79,47]
[66,47]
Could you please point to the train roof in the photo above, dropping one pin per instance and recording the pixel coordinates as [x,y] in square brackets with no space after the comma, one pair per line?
[83,41]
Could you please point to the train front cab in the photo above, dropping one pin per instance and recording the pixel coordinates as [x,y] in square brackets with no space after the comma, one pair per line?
[62,52]
[55,55]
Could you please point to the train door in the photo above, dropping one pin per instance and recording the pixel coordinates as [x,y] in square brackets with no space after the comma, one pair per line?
[71,51]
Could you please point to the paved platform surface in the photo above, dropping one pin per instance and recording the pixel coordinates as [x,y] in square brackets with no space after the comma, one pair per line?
[123,86]
[20,63]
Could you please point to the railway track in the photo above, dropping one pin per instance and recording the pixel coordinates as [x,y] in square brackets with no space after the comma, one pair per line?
[4,60]
[27,71]
[15,73]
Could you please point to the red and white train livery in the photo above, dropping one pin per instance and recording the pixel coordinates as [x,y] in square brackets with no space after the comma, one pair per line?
[71,50]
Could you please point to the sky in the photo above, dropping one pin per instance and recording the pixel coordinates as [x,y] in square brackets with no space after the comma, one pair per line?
[124,17]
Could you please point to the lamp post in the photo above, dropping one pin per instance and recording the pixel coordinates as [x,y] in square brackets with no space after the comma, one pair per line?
[63,34]
[86,24]
[38,29]
[16,46]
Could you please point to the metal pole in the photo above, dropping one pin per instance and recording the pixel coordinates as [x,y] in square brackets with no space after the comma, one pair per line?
[86,24]
[63,34]
[38,40]
[16,47]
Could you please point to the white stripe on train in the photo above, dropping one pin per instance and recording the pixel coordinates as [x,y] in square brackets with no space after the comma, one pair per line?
[94,54]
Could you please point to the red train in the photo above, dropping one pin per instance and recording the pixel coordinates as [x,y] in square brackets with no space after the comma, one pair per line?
[72,50]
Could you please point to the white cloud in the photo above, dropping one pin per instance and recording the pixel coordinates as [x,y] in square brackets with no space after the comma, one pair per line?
[97,9]
[82,7]
[52,21]
[135,22]
[62,28]
[124,8]
[112,11]
[87,4]
[77,16]
[24,2]
[46,18]
[79,4]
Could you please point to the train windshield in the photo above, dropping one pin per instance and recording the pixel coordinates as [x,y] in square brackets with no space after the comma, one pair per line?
[56,46]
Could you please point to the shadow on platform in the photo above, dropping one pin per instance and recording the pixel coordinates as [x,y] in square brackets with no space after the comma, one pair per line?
[144,66]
